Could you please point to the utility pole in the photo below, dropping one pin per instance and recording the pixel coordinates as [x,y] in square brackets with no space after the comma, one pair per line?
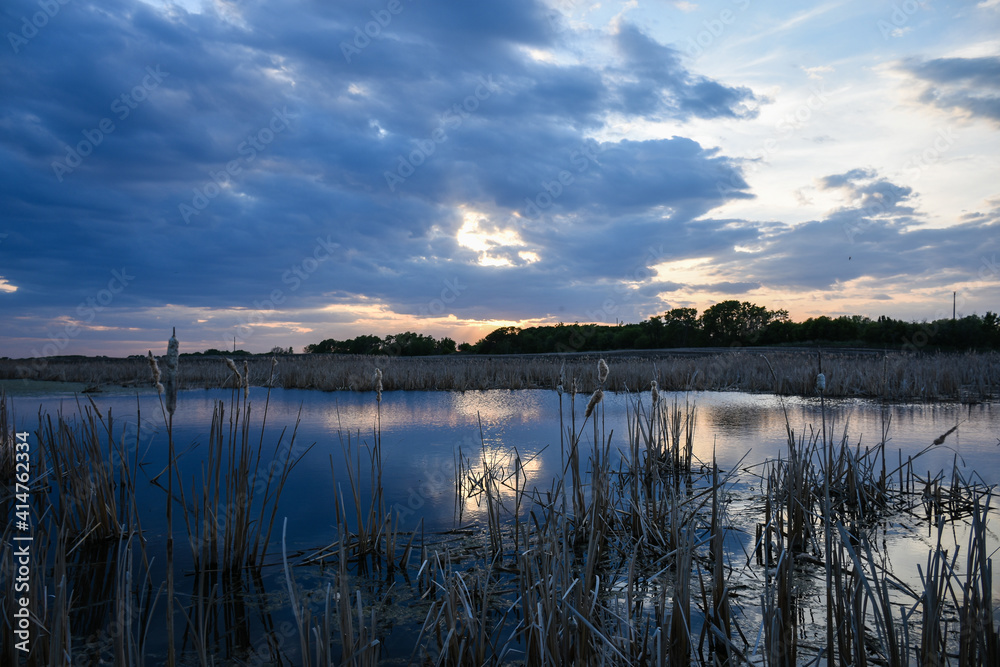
[954,298]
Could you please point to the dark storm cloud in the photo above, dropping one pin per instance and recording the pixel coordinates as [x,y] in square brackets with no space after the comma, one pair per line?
[215,156]
[654,83]
[969,84]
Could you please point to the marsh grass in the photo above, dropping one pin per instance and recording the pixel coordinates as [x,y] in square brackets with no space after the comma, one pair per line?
[893,376]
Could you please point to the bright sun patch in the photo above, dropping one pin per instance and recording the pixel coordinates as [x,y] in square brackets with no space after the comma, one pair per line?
[493,244]
[688,271]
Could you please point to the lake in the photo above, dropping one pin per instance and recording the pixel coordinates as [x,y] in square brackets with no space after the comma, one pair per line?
[423,434]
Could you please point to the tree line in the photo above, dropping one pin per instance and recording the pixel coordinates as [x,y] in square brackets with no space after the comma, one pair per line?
[729,323]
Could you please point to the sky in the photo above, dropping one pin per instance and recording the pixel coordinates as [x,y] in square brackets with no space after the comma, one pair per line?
[285,172]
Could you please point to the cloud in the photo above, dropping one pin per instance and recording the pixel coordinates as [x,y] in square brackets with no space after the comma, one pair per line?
[877,236]
[652,83]
[971,85]
[328,161]
[196,191]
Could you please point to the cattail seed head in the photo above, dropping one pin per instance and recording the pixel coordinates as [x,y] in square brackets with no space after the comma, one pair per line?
[171,362]
[655,391]
[595,399]
[378,385]
[236,371]
[602,371]
[156,372]
[246,379]
[155,368]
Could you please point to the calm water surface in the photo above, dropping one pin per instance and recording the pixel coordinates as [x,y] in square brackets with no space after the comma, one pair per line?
[423,432]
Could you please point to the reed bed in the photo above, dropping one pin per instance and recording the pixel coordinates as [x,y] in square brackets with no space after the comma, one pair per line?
[893,376]
[629,557]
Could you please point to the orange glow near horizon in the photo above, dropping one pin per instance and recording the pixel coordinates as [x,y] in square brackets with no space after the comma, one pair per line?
[260,331]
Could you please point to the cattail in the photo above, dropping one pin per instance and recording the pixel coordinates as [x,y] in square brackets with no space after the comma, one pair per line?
[655,391]
[593,402]
[232,367]
[602,371]
[156,372]
[246,379]
[821,383]
[171,363]
[378,385]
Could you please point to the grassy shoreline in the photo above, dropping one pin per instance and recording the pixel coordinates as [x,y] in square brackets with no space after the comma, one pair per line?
[897,376]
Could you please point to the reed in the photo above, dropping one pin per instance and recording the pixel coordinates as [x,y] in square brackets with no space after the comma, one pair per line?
[979,632]
[967,376]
